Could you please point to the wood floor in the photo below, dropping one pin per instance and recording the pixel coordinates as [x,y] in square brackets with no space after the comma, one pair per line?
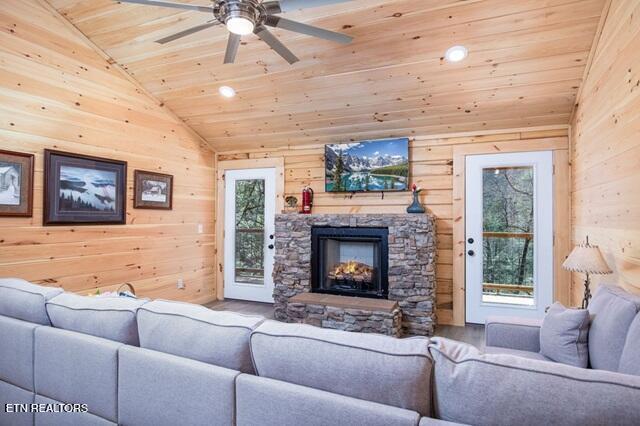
[472,334]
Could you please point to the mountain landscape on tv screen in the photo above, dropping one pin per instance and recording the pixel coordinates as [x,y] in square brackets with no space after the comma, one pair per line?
[367,166]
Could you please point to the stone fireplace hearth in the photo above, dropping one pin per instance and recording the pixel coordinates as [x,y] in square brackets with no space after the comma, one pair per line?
[410,254]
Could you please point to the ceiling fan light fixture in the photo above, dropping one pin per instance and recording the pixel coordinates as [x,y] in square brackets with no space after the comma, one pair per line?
[456,53]
[227,92]
[240,25]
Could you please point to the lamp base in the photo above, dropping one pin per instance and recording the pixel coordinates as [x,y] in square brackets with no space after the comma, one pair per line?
[587,293]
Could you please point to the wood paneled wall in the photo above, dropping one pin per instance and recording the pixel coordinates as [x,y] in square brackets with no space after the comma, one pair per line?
[431,167]
[606,149]
[57,91]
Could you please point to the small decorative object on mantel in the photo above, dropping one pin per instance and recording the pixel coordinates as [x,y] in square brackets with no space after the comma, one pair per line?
[587,259]
[152,190]
[415,207]
[16,184]
[291,205]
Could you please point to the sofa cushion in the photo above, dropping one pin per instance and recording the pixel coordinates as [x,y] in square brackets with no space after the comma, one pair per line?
[563,335]
[62,418]
[196,332]
[483,389]
[77,368]
[10,394]
[372,367]
[160,389]
[612,310]
[630,358]
[497,350]
[268,402]
[111,318]
[25,301]
[16,352]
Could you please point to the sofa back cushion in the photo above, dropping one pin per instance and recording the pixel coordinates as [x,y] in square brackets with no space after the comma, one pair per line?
[16,352]
[112,318]
[372,367]
[268,402]
[612,310]
[10,394]
[165,390]
[77,368]
[196,332]
[485,389]
[25,301]
[630,358]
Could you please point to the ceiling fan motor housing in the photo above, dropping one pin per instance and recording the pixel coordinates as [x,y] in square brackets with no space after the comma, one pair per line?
[251,10]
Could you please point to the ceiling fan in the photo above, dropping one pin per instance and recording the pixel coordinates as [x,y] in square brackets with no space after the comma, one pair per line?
[243,17]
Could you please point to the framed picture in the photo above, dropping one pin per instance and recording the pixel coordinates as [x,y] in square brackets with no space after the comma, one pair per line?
[152,190]
[379,165]
[83,190]
[16,184]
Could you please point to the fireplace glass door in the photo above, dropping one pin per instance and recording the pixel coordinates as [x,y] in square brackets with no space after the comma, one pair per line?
[350,261]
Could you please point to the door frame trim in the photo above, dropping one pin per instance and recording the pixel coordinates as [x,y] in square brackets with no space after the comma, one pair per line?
[221,169]
[561,216]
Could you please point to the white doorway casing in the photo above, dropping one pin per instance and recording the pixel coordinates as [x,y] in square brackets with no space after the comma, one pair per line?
[541,162]
[233,288]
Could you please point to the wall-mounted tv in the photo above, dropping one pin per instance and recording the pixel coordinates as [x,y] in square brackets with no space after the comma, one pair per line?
[380,165]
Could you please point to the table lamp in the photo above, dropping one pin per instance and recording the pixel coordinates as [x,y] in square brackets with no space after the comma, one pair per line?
[586,259]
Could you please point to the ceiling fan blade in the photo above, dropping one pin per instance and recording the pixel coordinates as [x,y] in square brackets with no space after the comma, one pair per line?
[299,27]
[266,36]
[232,48]
[171,5]
[289,5]
[187,32]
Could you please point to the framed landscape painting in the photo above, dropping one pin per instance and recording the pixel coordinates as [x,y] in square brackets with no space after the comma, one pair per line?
[152,190]
[83,190]
[16,184]
[380,165]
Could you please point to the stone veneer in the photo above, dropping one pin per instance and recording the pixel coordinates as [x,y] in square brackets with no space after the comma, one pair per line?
[346,313]
[412,262]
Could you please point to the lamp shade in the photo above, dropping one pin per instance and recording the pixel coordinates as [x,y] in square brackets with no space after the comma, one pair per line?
[588,259]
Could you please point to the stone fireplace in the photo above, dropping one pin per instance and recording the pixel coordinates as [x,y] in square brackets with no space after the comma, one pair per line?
[386,258]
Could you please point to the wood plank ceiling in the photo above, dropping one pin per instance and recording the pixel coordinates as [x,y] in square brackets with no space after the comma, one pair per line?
[526,61]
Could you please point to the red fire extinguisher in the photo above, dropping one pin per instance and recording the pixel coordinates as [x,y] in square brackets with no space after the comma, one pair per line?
[307,200]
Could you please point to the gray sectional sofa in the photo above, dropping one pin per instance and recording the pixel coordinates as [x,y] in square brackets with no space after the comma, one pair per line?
[93,361]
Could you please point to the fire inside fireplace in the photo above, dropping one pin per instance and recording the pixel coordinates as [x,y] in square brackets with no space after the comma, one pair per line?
[350,261]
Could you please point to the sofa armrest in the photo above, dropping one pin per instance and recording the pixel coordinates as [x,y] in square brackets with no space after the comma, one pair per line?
[513,333]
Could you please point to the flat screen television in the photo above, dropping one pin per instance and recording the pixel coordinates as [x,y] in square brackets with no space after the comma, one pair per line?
[379,165]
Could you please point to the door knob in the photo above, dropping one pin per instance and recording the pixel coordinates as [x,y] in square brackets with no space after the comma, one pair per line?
[471,240]
[271,246]
[471,253]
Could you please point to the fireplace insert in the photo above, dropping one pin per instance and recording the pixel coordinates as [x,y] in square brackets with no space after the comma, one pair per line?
[350,261]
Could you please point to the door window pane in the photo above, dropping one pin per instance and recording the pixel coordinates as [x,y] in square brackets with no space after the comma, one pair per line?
[508,233]
[249,254]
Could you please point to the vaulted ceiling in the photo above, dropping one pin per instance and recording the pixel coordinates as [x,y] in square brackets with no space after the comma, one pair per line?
[526,61]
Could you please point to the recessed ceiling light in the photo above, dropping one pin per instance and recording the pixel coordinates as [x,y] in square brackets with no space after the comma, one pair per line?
[227,92]
[456,53]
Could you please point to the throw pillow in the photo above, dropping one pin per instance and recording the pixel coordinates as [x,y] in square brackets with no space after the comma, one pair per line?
[563,335]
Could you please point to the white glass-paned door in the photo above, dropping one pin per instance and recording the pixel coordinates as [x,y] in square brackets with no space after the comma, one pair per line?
[509,235]
[249,234]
